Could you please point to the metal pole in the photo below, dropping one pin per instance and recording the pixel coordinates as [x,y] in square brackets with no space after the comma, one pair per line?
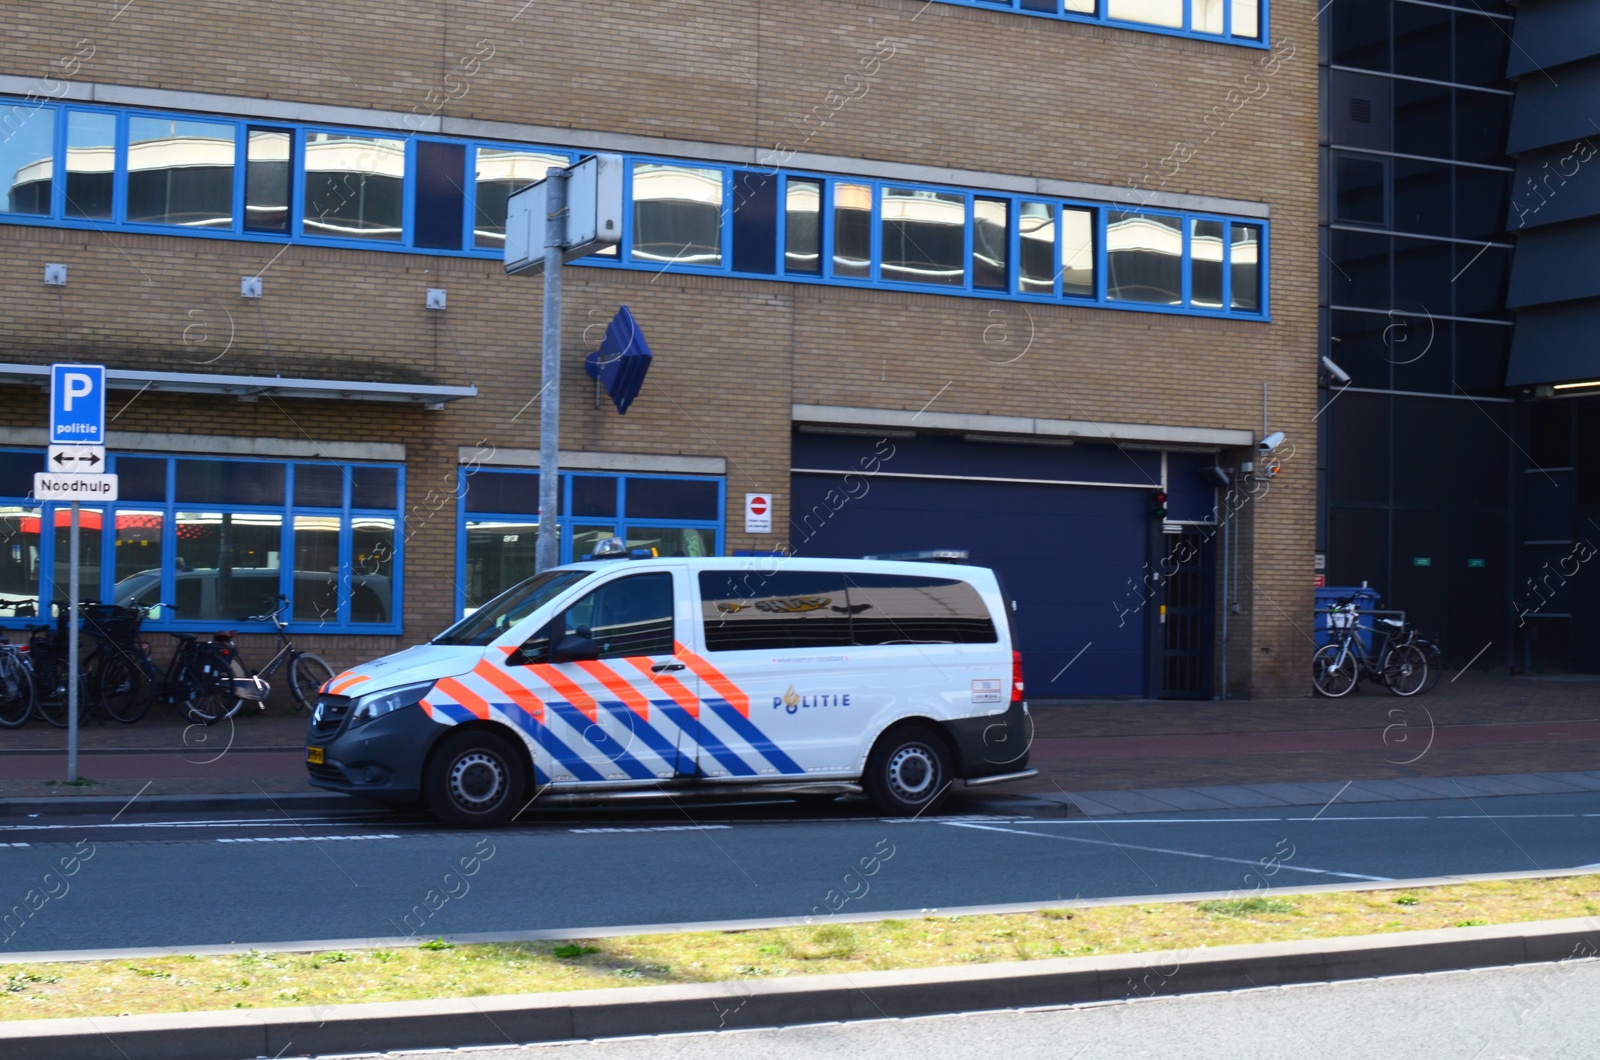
[555,230]
[72,650]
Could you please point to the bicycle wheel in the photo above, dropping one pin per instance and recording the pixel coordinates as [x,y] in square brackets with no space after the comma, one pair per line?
[1435,658]
[1334,671]
[1405,670]
[122,688]
[50,689]
[16,690]
[210,684]
[307,674]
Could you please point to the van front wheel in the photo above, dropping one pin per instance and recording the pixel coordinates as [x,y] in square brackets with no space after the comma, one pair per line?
[475,780]
[908,772]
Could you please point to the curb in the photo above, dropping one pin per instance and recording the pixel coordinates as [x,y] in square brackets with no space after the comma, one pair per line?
[625,1012]
[79,805]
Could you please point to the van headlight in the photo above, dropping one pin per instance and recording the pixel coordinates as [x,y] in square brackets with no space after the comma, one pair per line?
[378,704]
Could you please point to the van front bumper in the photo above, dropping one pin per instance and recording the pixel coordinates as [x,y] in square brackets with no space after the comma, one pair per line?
[379,760]
[993,745]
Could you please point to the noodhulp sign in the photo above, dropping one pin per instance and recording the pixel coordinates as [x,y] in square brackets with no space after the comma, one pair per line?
[53,486]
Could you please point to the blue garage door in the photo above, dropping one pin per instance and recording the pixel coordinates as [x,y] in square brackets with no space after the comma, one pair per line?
[1072,556]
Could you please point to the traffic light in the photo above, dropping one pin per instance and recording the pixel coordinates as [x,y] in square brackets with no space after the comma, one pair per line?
[1158,504]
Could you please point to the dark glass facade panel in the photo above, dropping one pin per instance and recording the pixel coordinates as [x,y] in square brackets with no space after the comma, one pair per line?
[1480,203]
[1360,347]
[1359,33]
[852,230]
[229,482]
[1358,274]
[1586,453]
[1550,433]
[17,471]
[593,495]
[507,492]
[755,222]
[671,498]
[499,172]
[1144,258]
[628,617]
[1244,266]
[1422,42]
[180,173]
[762,611]
[268,158]
[374,487]
[318,486]
[1036,227]
[802,226]
[1077,253]
[1480,284]
[991,234]
[1481,47]
[923,238]
[1482,119]
[355,186]
[91,163]
[27,160]
[1547,496]
[138,479]
[677,214]
[902,609]
[1422,351]
[1422,272]
[440,195]
[1205,264]
[1422,119]
[1481,358]
[1361,187]
[1422,197]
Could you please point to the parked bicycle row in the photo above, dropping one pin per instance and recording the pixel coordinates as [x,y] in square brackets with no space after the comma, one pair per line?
[205,680]
[1394,653]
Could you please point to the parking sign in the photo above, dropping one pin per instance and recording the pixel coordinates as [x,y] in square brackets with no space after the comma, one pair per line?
[77,404]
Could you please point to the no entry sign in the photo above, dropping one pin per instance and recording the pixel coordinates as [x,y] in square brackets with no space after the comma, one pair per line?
[758,513]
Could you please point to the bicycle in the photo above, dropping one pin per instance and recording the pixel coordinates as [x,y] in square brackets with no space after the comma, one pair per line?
[1338,666]
[116,670]
[16,685]
[307,672]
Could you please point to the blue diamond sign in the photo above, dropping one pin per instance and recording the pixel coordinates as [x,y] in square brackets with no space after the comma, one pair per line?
[621,361]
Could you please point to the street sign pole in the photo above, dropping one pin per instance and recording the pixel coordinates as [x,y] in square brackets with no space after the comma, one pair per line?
[72,651]
[548,553]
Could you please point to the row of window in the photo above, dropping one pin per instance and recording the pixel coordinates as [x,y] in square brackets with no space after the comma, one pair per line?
[1239,20]
[84,166]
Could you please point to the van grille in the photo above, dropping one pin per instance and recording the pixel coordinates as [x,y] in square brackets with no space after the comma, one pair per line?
[328,716]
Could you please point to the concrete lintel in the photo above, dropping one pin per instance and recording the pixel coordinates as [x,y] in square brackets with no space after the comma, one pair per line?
[1088,430]
[44,89]
[575,461]
[283,110]
[221,445]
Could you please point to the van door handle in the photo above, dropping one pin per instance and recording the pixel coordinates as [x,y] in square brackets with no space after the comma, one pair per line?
[663,667]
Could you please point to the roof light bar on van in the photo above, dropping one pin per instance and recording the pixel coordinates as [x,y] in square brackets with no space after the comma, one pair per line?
[933,555]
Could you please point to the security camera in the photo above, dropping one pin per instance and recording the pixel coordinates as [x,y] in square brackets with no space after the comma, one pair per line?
[1271,442]
[1339,375]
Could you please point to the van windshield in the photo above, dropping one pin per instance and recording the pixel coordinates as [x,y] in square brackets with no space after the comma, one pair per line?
[510,607]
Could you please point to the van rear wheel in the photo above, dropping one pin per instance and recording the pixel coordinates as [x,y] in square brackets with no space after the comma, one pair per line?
[475,780]
[908,772]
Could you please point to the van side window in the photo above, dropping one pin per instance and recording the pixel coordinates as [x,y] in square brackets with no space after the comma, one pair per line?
[744,610]
[910,609]
[630,616]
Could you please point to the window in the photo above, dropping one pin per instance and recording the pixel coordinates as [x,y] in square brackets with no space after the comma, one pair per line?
[27,153]
[802,226]
[499,172]
[1361,187]
[354,186]
[852,230]
[755,610]
[180,172]
[1077,253]
[1205,241]
[509,608]
[1144,258]
[755,222]
[91,163]
[268,158]
[1244,259]
[440,195]
[1037,272]
[902,609]
[1207,18]
[991,234]
[1151,12]
[677,214]
[631,616]
[924,236]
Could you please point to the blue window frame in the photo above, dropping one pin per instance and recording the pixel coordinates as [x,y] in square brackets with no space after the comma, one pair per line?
[497,512]
[218,539]
[234,178]
[1232,21]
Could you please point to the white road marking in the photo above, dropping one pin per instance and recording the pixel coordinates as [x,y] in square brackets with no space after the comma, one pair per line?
[655,828]
[275,823]
[1176,853]
[13,844]
[305,838]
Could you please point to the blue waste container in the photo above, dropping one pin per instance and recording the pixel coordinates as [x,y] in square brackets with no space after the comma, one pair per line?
[1329,595]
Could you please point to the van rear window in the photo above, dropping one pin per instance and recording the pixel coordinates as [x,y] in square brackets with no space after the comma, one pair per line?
[751,610]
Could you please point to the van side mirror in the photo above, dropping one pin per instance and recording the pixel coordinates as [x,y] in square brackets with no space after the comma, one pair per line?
[574,648]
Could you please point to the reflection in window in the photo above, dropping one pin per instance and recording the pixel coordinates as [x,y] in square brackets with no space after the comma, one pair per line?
[677,214]
[990,241]
[628,617]
[745,611]
[316,568]
[89,524]
[1247,18]
[1205,268]
[673,541]
[1245,257]
[1205,16]
[1037,269]
[852,230]
[500,553]
[19,559]
[266,181]
[354,186]
[1077,252]
[499,172]
[1149,12]
[227,564]
[372,569]
[802,233]
[180,172]
[138,557]
[1144,258]
[27,160]
[924,236]
[91,163]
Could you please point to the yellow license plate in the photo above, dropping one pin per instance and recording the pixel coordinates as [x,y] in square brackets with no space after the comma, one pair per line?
[314,755]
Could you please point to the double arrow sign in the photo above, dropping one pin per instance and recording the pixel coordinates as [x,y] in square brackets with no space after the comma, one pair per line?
[80,458]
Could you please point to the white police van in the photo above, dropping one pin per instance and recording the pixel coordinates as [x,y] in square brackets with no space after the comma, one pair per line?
[804,677]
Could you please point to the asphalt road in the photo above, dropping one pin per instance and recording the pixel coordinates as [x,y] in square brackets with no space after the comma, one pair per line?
[167,882]
[1497,1014]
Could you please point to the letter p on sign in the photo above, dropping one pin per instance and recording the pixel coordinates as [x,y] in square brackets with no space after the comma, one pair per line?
[77,404]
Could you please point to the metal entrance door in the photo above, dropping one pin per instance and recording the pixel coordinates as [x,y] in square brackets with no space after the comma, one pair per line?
[1184,618]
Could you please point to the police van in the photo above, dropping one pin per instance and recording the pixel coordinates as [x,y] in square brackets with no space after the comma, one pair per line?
[809,678]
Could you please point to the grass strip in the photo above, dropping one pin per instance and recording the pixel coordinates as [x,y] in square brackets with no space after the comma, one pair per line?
[439,969]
